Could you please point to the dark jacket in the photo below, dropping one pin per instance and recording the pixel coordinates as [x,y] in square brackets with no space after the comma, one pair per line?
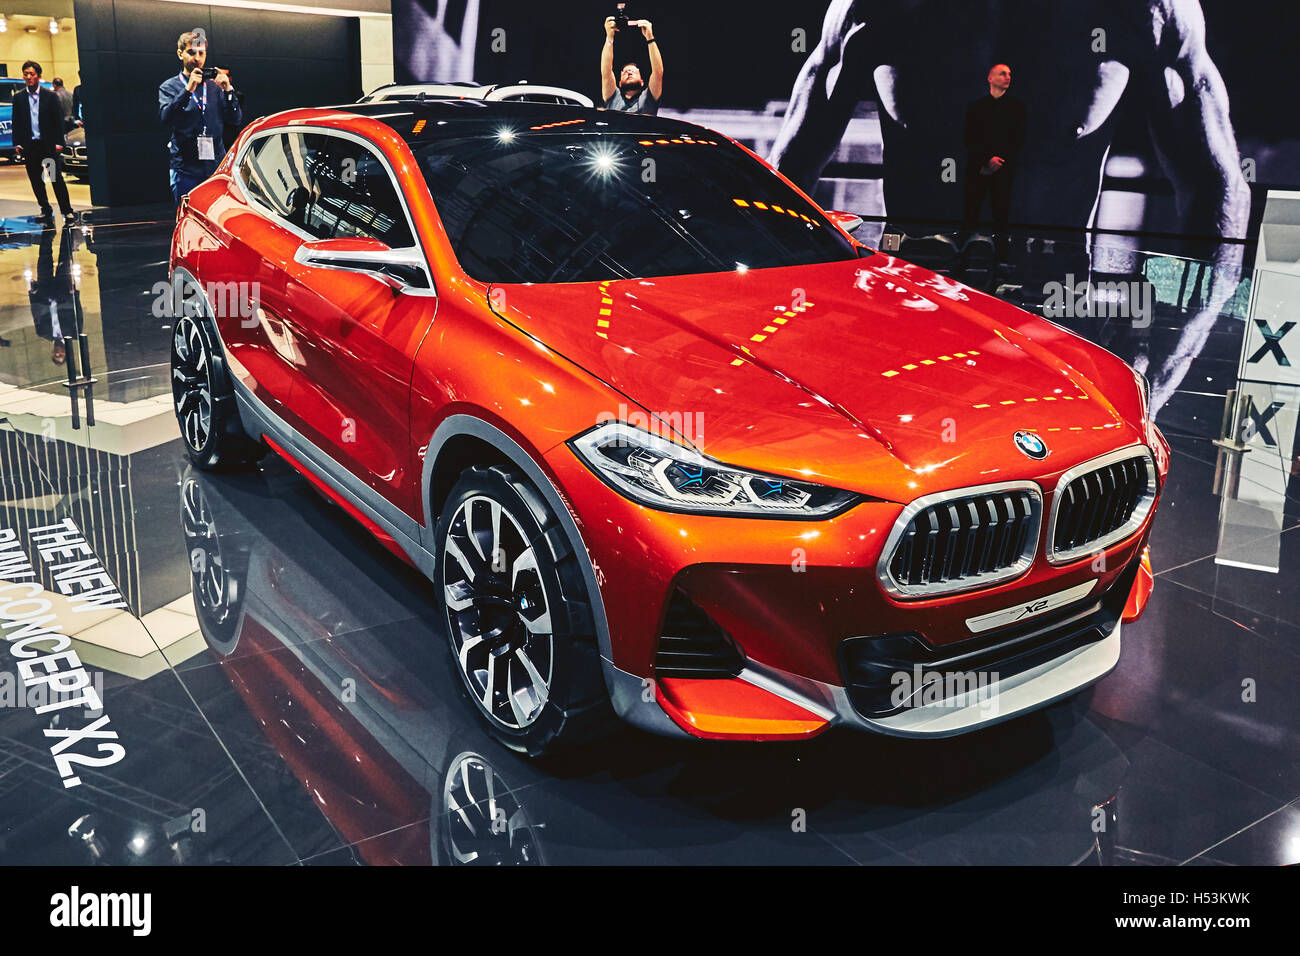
[179,111]
[995,127]
[50,116]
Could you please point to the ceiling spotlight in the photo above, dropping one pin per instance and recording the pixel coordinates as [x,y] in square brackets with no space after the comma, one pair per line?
[4,24]
[54,25]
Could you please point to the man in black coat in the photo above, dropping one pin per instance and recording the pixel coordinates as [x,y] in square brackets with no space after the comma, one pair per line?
[995,134]
[38,135]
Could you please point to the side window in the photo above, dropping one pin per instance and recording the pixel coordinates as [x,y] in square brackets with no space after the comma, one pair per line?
[284,172]
[255,183]
[330,188]
[359,194]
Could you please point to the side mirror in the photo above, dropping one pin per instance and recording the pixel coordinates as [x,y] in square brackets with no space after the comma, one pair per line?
[395,268]
[845,220]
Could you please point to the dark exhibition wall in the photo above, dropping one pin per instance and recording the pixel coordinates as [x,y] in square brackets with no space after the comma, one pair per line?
[1176,144]
[127,47]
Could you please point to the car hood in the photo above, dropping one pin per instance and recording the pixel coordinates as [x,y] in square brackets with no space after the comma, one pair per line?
[874,375]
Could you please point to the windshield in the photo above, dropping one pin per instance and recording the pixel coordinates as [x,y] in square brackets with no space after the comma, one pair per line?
[522,206]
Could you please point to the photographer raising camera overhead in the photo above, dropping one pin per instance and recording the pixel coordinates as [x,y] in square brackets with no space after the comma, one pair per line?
[196,105]
[627,91]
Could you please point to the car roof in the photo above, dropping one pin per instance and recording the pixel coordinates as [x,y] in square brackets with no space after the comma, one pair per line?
[479,91]
[471,117]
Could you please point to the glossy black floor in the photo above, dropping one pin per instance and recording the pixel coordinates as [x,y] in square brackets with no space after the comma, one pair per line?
[283,694]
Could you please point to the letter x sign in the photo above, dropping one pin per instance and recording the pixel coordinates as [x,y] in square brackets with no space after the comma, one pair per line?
[1272,344]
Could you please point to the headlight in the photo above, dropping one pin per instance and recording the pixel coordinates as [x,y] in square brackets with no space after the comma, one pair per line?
[664,475]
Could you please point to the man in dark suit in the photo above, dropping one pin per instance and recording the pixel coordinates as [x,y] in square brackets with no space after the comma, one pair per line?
[38,135]
[196,110]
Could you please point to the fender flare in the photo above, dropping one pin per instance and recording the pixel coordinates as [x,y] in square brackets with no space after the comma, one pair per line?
[222,380]
[625,689]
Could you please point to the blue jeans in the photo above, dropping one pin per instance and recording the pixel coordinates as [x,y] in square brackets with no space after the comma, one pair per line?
[182,183]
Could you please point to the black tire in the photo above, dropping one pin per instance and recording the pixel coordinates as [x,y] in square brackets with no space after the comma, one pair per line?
[203,398]
[488,606]
[218,568]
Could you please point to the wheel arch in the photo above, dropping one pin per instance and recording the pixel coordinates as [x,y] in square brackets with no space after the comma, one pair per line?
[216,344]
[451,450]
[458,452]
[461,434]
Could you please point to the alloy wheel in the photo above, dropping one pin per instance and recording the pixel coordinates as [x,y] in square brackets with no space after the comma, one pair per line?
[500,618]
[192,383]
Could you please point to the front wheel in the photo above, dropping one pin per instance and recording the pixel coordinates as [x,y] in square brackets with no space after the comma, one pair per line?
[518,614]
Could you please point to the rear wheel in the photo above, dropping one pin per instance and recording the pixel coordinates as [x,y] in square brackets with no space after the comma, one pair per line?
[203,399]
[518,615]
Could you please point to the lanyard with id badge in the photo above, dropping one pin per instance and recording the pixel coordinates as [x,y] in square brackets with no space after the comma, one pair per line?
[206,148]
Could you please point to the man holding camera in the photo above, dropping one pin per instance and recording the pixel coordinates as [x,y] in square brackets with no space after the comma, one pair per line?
[196,105]
[38,139]
[628,92]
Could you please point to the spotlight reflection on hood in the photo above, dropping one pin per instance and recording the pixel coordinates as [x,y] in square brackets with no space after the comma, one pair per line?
[604,161]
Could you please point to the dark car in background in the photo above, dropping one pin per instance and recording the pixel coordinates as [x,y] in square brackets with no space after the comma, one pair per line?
[75,160]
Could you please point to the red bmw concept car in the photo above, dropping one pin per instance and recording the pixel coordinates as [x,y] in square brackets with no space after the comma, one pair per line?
[671,445]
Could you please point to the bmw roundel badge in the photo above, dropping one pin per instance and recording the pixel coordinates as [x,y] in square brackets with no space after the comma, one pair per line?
[1029,443]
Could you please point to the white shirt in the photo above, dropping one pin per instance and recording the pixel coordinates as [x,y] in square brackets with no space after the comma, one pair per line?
[34,103]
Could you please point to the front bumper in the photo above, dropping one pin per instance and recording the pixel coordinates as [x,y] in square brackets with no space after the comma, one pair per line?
[793,595]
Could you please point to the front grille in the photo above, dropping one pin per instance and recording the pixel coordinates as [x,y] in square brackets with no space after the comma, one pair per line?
[962,539]
[693,645]
[1100,503]
[871,665]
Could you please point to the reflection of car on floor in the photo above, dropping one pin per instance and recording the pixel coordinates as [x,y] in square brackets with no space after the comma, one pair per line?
[373,746]
[667,440]
[367,718]
[521,92]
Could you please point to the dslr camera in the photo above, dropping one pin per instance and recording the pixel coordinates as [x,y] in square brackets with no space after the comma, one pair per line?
[210,72]
[620,16]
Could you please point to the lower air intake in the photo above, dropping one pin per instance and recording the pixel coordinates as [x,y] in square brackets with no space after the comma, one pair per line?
[693,645]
